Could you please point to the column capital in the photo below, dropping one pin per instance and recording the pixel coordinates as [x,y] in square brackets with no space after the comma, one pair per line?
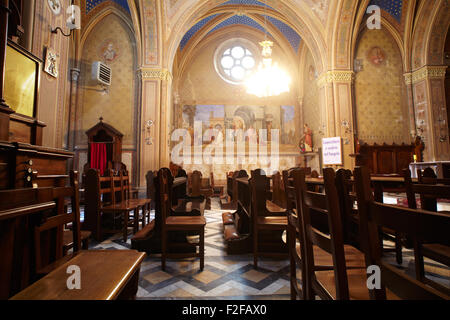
[426,72]
[155,73]
[75,74]
[332,76]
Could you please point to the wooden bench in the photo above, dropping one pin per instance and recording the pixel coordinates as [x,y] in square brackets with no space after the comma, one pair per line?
[105,275]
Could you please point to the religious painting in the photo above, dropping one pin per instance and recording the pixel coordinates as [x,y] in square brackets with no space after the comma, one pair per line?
[376,56]
[21,80]
[51,65]
[109,51]
[223,117]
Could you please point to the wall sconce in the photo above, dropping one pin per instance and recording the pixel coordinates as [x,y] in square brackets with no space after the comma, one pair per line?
[359,66]
[346,125]
[73,22]
[441,122]
[148,126]
[322,129]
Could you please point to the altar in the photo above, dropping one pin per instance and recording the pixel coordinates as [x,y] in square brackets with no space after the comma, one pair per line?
[441,168]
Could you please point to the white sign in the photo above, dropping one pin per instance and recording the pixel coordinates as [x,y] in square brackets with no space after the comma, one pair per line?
[332,151]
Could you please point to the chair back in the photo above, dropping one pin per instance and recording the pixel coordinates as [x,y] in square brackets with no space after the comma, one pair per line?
[323,208]
[345,186]
[259,189]
[48,250]
[419,225]
[164,191]
[196,181]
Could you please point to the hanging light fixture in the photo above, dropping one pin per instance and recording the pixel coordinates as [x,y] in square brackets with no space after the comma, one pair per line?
[269,80]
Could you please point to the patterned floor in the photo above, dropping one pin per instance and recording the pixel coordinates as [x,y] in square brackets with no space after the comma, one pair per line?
[224,277]
[230,277]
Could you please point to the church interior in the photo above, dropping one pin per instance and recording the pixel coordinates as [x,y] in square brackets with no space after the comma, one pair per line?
[224,149]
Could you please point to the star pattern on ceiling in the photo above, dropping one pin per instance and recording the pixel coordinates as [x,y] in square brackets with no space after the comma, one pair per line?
[246,2]
[91,4]
[290,34]
[393,7]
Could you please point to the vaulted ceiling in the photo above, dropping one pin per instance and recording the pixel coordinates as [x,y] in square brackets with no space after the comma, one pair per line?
[243,19]
[91,4]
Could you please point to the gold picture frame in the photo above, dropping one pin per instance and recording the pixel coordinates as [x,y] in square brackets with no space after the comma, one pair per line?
[21,80]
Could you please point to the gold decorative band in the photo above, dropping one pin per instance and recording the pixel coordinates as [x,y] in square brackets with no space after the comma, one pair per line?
[426,72]
[160,74]
[336,76]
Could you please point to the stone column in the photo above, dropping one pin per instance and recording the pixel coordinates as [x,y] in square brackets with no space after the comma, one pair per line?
[430,111]
[336,88]
[153,146]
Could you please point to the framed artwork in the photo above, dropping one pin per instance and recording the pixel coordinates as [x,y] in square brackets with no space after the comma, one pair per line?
[51,62]
[21,80]
[55,6]
[376,55]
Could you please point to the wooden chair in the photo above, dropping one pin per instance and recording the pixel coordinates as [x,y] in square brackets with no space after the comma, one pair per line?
[294,233]
[266,217]
[103,197]
[419,225]
[141,204]
[217,190]
[49,254]
[429,194]
[333,270]
[170,223]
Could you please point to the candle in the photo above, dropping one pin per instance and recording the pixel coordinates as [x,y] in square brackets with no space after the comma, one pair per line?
[415,158]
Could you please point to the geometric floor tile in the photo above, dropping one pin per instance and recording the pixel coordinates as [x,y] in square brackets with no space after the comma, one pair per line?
[228,276]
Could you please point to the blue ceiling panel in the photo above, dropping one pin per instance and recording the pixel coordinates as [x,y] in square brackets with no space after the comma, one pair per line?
[246,3]
[242,20]
[91,4]
[194,30]
[393,7]
[291,35]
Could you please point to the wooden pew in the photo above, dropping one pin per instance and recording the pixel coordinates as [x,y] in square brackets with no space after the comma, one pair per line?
[269,221]
[22,213]
[149,238]
[419,225]
[102,200]
[237,224]
[230,203]
[429,195]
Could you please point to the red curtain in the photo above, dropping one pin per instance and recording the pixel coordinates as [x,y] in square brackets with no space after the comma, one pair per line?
[98,157]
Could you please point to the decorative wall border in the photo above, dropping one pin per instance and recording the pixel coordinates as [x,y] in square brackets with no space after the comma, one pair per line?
[160,74]
[426,72]
[335,76]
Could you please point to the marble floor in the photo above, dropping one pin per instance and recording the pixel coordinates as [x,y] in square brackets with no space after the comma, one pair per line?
[229,277]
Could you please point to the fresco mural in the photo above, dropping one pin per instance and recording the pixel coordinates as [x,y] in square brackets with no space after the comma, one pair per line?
[223,117]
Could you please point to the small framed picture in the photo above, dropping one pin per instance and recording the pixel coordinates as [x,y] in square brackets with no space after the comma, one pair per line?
[51,63]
